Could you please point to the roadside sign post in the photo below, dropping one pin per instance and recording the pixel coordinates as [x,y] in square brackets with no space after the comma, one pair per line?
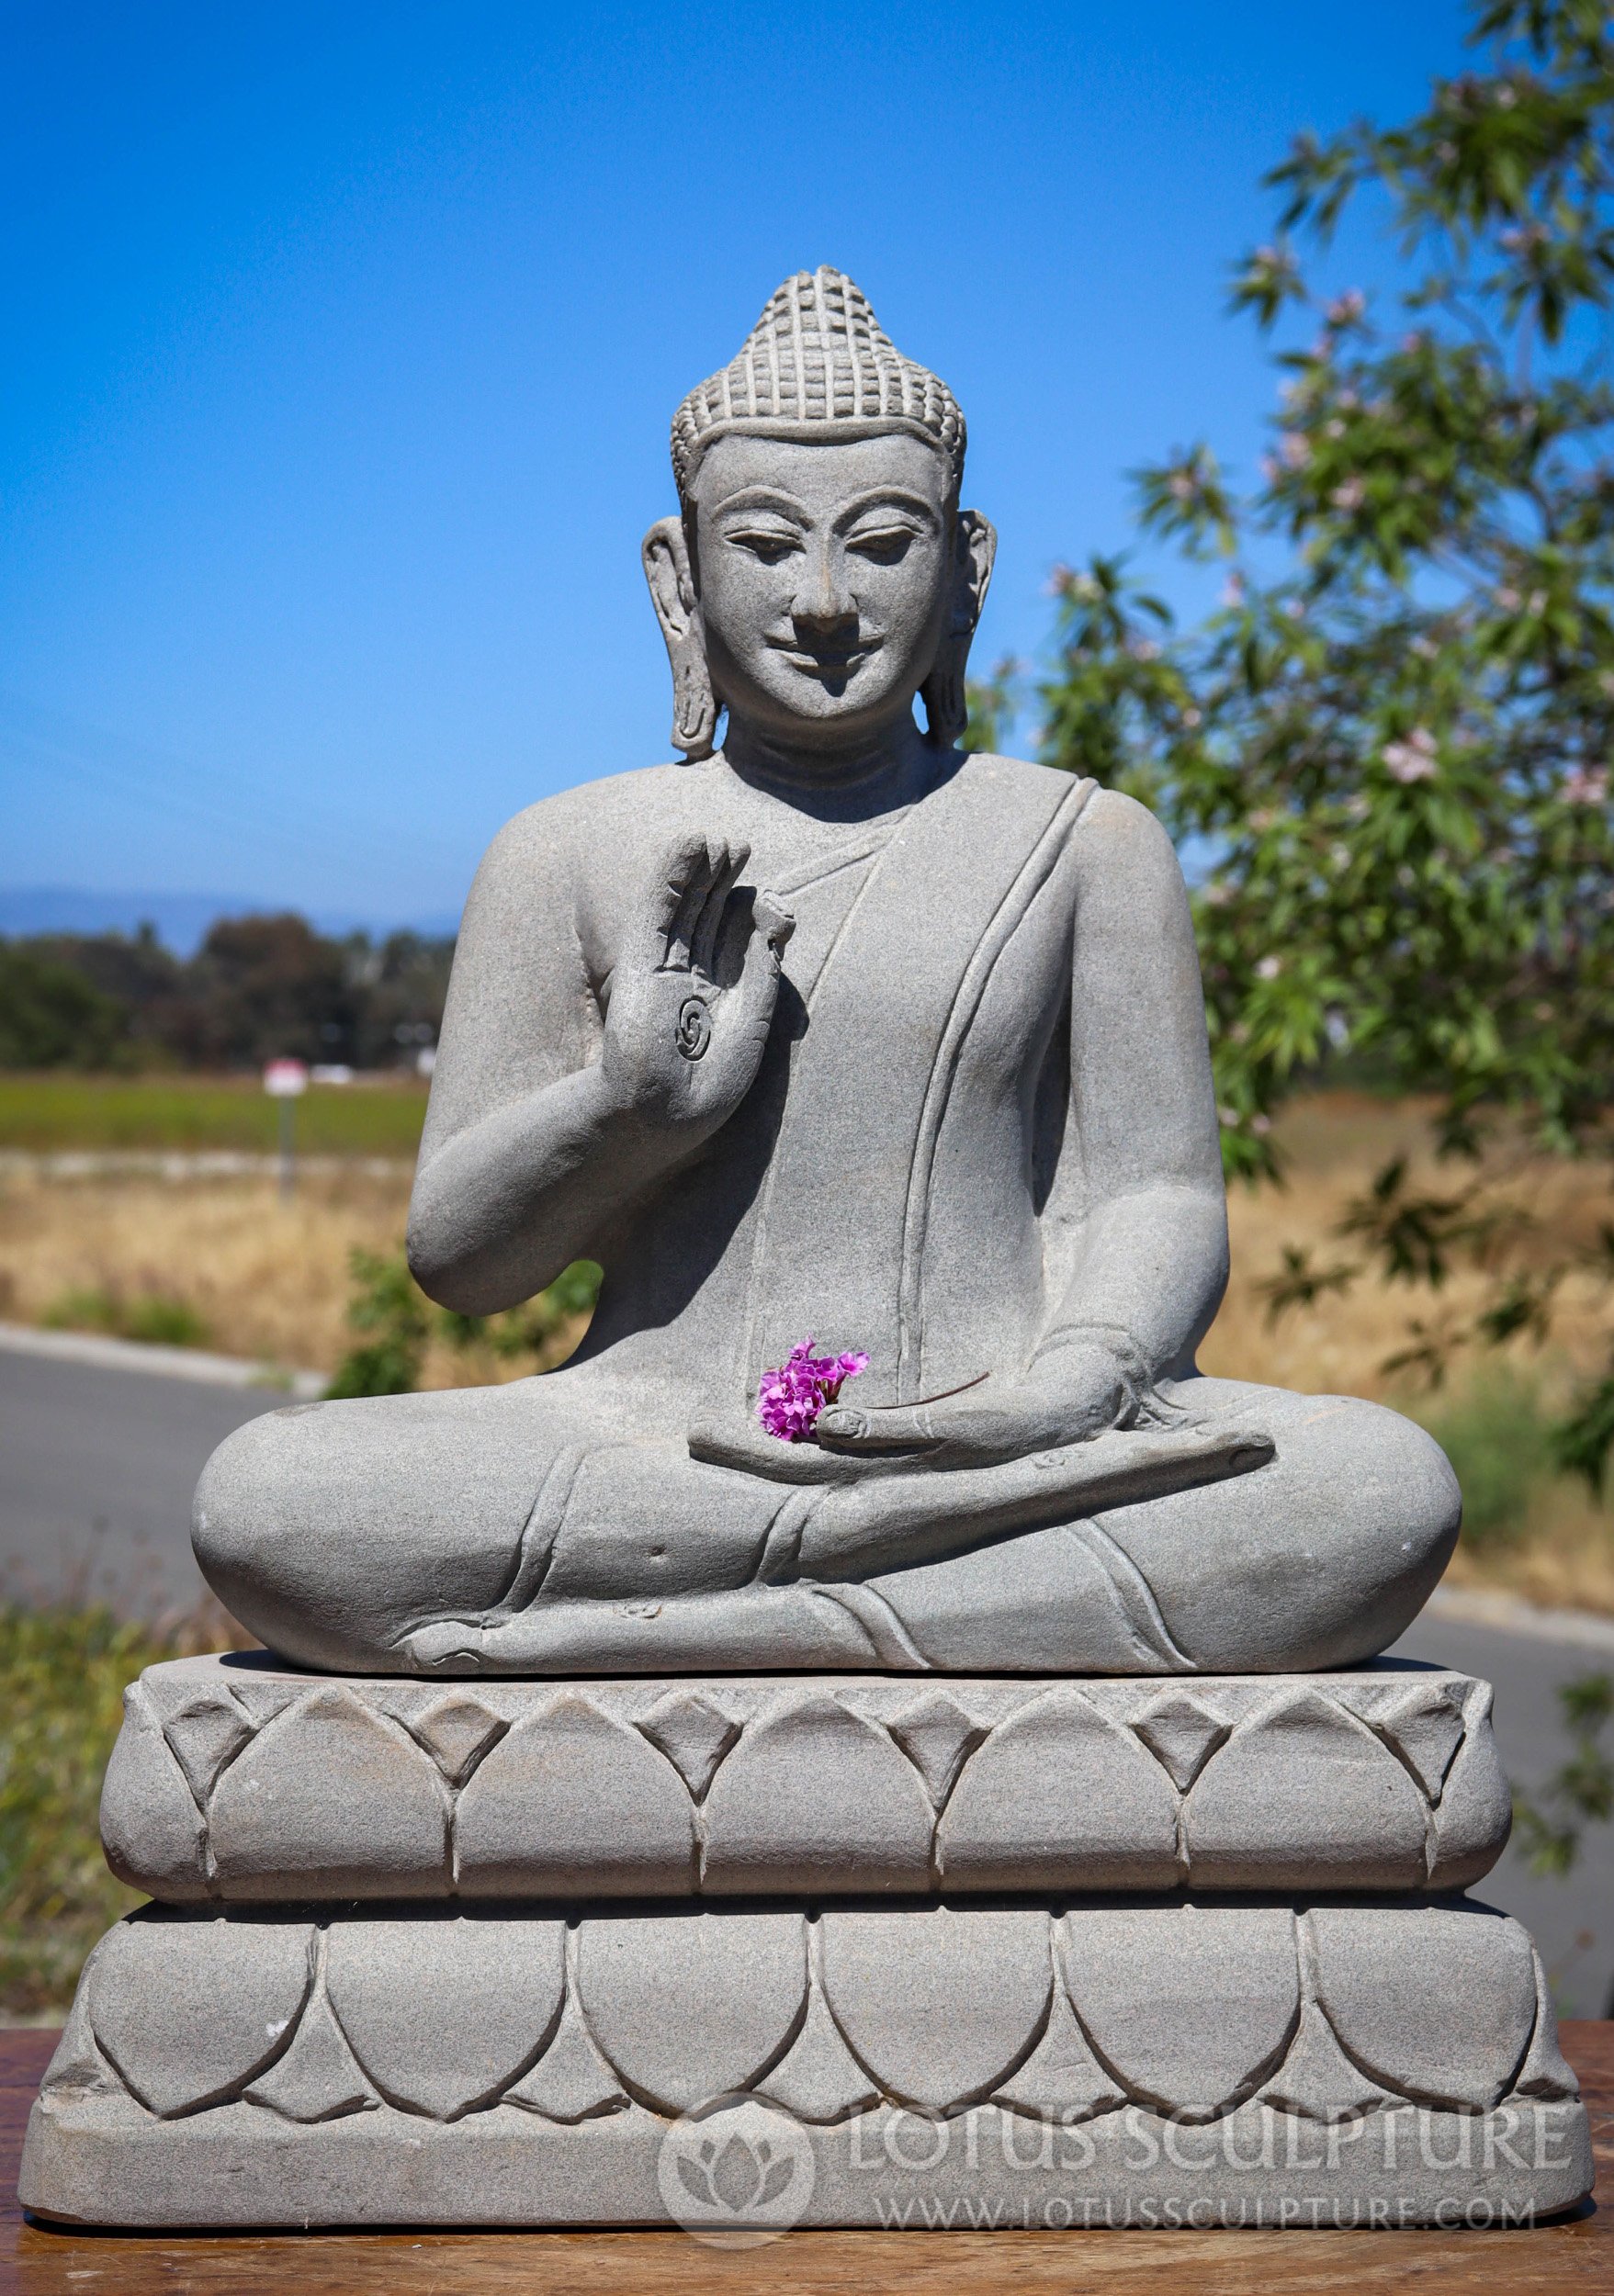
[287,1080]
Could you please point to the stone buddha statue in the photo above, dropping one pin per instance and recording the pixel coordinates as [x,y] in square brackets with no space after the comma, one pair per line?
[829,1032]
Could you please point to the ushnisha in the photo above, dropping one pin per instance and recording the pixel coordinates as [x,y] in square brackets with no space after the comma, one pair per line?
[832,1030]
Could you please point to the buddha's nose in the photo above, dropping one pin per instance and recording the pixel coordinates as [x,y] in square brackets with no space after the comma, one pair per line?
[823,606]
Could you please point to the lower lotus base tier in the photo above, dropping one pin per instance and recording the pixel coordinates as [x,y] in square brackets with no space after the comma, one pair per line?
[737,2071]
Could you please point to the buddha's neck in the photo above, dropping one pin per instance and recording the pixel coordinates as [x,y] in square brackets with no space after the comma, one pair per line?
[893,770]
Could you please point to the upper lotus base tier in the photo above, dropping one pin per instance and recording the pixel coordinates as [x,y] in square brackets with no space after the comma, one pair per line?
[239,1779]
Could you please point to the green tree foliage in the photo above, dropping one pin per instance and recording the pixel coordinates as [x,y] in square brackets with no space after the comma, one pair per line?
[1389,744]
[264,980]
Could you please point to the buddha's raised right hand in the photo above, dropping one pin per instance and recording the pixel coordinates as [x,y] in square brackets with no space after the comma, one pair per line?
[693,994]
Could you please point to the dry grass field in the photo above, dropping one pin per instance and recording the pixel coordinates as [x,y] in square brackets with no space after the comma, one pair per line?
[220,1261]
[234,1268]
[1529,1529]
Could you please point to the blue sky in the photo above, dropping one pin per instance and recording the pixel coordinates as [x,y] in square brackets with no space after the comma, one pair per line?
[343,342]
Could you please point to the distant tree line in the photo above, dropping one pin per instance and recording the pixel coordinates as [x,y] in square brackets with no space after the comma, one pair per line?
[258,988]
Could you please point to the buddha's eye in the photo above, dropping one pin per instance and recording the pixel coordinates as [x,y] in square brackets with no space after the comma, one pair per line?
[766,542]
[884,546]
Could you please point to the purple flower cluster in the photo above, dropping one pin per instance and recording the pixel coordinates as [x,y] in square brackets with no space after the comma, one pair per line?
[789,1399]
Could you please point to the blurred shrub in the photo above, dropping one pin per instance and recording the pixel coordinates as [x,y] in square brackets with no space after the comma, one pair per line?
[1499,1437]
[63,1675]
[157,1318]
[388,1307]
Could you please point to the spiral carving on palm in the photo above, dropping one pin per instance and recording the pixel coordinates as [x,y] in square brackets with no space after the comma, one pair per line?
[694,1033]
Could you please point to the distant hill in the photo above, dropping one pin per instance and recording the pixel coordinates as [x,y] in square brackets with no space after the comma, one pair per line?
[181,918]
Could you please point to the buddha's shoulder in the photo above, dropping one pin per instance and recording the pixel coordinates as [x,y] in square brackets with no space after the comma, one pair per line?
[1109,822]
[593,817]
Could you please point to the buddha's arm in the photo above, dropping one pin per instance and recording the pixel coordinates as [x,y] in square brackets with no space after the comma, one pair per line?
[515,1175]
[548,1119]
[1152,1261]
[507,1203]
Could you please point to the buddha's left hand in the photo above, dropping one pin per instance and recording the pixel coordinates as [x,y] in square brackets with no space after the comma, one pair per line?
[1065,1397]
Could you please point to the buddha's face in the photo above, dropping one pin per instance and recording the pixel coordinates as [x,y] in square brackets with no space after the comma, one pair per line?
[827,575]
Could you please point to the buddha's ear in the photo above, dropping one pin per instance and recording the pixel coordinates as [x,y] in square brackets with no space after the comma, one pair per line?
[974,545]
[678,610]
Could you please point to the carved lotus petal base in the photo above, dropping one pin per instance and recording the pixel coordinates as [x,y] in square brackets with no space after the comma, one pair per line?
[237,1780]
[1190,2062]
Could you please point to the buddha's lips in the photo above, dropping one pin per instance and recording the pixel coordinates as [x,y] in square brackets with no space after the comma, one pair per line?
[825,661]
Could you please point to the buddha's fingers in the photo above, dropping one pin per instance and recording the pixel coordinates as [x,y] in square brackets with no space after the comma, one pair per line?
[756,991]
[686,878]
[741,1446]
[882,1525]
[730,861]
[770,922]
[892,1427]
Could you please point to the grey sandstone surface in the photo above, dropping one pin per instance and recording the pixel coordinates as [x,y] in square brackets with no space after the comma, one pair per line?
[484,2069]
[986,1807]
[245,1781]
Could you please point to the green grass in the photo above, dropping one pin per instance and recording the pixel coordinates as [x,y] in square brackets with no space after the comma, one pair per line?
[1497,1435]
[62,1674]
[147,1315]
[53,1112]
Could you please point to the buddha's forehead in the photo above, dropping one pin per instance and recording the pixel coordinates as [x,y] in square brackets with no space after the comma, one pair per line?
[821,476]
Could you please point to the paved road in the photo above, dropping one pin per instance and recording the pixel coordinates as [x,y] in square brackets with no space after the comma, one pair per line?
[97,1466]
[97,1472]
[1573,1921]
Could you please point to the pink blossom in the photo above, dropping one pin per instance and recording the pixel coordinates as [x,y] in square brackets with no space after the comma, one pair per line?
[1412,759]
[1586,785]
[790,1399]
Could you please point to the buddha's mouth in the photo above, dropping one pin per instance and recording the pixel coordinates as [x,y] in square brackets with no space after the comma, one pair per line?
[825,661]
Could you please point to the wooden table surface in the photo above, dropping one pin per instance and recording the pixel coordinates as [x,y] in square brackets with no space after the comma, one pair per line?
[1574,2254]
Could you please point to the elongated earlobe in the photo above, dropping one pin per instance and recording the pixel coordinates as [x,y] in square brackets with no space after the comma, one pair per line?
[673,593]
[946,708]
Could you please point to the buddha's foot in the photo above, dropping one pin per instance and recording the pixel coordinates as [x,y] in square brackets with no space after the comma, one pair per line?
[748,1626]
